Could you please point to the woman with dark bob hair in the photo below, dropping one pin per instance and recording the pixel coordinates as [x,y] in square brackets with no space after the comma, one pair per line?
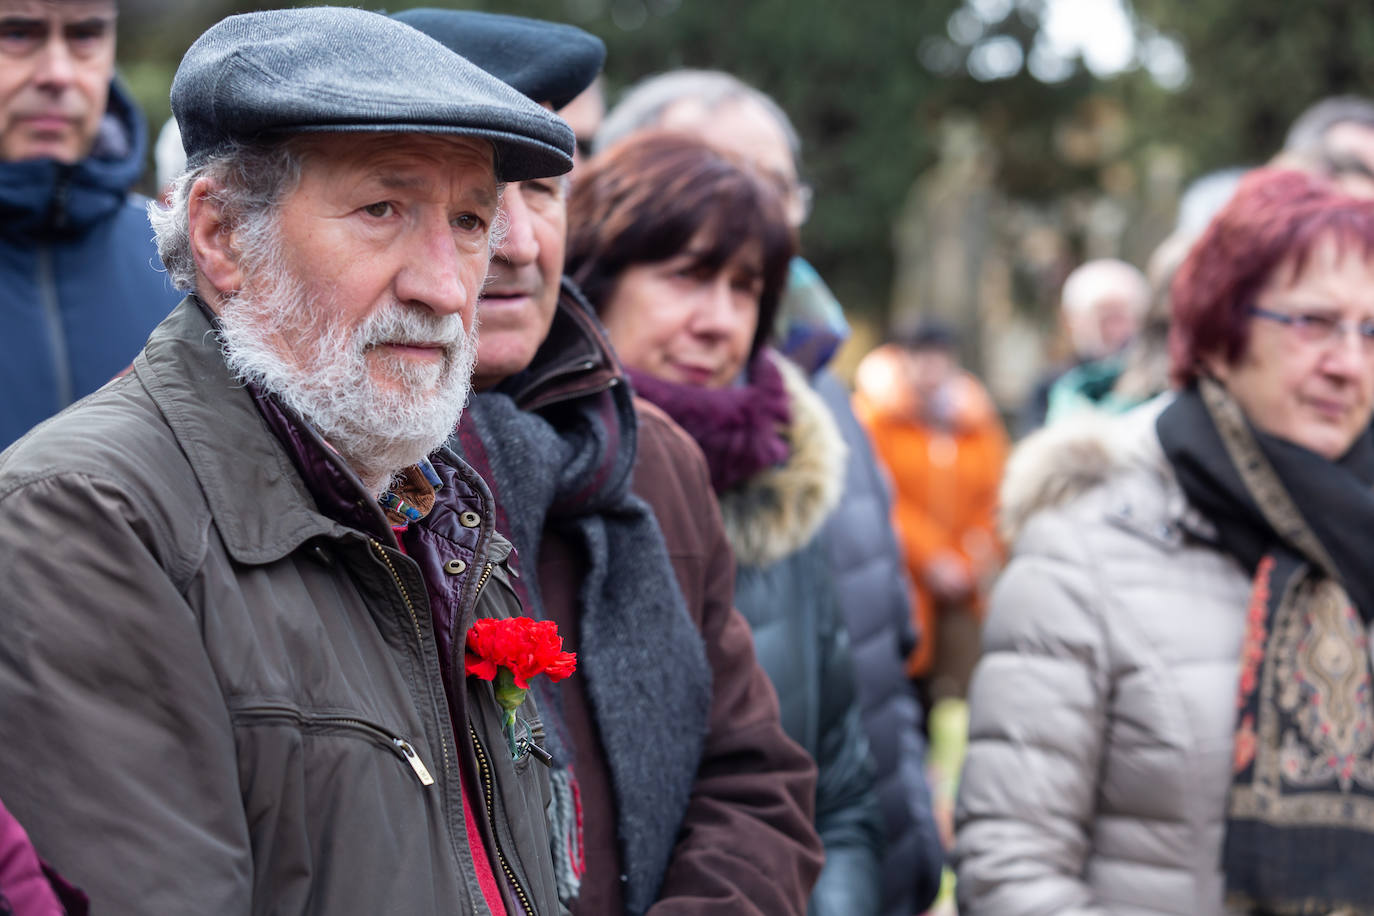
[1173,713]
[683,250]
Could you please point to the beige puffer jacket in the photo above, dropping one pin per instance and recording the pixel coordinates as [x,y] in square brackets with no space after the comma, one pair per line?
[1103,709]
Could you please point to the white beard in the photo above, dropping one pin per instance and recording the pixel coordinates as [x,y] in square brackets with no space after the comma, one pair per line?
[291,344]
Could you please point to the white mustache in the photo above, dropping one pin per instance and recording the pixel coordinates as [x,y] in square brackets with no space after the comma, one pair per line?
[410,326]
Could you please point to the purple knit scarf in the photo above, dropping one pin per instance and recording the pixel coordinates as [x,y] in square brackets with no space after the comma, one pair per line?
[740,429]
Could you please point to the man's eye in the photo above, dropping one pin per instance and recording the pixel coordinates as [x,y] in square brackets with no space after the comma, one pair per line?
[379,209]
[468,222]
[85,34]
[18,37]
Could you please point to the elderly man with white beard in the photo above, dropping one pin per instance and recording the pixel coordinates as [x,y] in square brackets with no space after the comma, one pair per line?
[232,667]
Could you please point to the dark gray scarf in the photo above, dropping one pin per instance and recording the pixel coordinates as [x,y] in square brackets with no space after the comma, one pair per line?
[642,657]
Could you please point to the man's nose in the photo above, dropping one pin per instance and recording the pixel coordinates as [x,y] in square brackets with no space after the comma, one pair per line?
[55,68]
[435,270]
[519,247]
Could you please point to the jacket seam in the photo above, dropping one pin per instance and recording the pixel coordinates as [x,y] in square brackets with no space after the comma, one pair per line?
[179,565]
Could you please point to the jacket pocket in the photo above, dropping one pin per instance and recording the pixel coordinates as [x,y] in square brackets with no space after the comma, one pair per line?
[321,723]
[343,812]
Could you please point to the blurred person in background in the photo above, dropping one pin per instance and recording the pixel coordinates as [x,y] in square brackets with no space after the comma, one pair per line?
[683,251]
[1105,304]
[1173,713]
[1140,371]
[674,786]
[79,289]
[1101,307]
[1334,137]
[860,544]
[937,431]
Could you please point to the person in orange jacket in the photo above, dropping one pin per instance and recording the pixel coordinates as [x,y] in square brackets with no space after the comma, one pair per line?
[935,428]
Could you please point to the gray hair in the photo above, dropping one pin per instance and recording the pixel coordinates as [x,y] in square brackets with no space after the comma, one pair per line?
[1093,281]
[250,182]
[1309,130]
[644,104]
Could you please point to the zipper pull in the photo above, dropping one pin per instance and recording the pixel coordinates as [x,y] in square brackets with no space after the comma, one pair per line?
[537,752]
[414,760]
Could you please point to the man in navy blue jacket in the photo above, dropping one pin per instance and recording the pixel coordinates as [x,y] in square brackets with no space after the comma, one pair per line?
[80,285]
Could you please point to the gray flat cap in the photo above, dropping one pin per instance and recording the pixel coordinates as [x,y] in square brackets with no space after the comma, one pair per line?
[335,69]
[547,61]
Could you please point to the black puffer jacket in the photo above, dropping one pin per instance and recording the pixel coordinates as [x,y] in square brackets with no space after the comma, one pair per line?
[784,589]
[870,580]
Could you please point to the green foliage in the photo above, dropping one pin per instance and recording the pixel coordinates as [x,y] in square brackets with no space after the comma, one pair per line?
[1254,67]
[846,72]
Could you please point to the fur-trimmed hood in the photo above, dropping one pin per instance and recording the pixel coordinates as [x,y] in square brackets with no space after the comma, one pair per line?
[1059,463]
[779,510]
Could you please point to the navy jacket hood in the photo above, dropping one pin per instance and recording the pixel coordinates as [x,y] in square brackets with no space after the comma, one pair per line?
[49,198]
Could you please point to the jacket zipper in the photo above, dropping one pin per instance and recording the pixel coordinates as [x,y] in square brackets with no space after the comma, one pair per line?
[481,582]
[419,635]
[489,795]
[403,748]
[415,621]
[52,316]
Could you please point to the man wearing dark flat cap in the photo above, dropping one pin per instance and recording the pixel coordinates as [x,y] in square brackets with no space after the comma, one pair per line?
[668,748]
[237,582]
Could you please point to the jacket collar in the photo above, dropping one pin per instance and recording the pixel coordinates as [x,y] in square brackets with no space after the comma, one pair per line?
[778,510]
[575,358]
[261,505]
[45,198]
[1057,464]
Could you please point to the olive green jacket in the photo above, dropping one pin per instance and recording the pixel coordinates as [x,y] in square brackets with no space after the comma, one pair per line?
[215,699]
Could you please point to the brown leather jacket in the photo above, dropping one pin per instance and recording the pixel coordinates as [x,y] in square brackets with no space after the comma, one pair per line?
[747,844]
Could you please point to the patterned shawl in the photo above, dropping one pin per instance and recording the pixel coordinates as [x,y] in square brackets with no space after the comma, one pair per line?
[1300,815]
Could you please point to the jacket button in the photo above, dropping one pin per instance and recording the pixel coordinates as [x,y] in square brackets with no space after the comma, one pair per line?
[470,519]
[455,567]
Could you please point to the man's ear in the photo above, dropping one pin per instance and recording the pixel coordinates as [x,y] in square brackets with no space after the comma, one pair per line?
[212,240]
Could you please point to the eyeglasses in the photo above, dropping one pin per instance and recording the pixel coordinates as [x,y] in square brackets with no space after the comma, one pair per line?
[1320,327]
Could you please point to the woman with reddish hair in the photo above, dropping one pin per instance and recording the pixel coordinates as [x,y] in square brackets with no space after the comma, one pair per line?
[683,250]
[1174,710]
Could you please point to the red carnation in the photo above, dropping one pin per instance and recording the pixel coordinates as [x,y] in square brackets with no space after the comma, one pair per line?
[524,646]
[509,652]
